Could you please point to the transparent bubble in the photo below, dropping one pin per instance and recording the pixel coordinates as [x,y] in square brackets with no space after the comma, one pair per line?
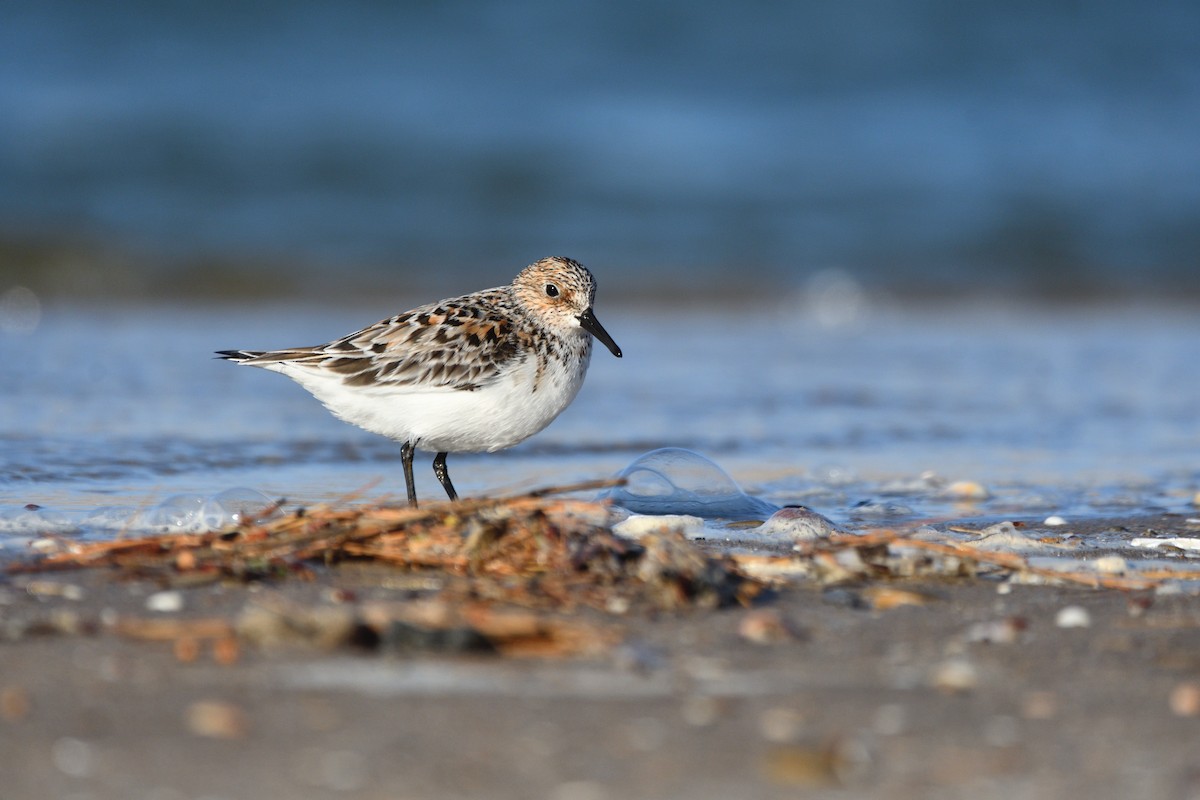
[193,513]
[179,513]
[677,481]
[109,518]
[213,516]
[233,507]
[243,504]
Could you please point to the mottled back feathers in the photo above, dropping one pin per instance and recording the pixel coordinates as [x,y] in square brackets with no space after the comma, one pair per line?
[463,343]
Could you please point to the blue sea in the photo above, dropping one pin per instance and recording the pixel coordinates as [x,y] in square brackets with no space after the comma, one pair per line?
[266,147]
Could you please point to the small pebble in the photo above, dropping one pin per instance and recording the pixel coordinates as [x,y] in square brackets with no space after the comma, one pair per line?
[639,526]
[1001,631]
[966,491]
[1185,699]
[1054,520]
[795,767]
[954,675]
[617,605]
[765,626]
[14,704]
[216,719]
[226,650]
[796,523]
[886,598]
[165,602]
[1073,617]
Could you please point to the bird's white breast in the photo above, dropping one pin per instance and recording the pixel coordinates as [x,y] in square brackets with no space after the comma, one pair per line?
[519,403]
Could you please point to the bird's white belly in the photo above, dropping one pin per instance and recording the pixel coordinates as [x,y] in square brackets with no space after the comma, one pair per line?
[493,417]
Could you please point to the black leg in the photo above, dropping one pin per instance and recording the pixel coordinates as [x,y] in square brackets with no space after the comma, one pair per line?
[406,457]
[443,475]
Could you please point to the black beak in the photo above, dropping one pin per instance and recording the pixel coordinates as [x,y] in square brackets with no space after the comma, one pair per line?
[588,321]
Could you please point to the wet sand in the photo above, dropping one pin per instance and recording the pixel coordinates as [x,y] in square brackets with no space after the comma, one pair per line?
[838,701]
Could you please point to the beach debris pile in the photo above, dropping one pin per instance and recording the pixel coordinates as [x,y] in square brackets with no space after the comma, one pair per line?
[509,573]
[1004,551]
[536,574]
[532,550]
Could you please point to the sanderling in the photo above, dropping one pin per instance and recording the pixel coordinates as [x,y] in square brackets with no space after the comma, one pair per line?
[471,374]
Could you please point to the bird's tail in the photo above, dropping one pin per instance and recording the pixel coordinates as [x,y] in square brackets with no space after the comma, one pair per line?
[238,356]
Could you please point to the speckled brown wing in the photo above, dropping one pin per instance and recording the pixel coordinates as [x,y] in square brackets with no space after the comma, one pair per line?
[461,344]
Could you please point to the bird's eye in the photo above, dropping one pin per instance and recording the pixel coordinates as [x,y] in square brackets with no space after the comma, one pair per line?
[551,290]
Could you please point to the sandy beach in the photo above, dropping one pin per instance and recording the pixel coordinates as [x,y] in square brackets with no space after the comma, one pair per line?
[959,688]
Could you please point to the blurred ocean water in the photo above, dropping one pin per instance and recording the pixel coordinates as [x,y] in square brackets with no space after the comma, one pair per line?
[869,418]
[270,146]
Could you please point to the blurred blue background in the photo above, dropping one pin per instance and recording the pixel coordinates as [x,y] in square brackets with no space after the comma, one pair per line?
[236,149]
